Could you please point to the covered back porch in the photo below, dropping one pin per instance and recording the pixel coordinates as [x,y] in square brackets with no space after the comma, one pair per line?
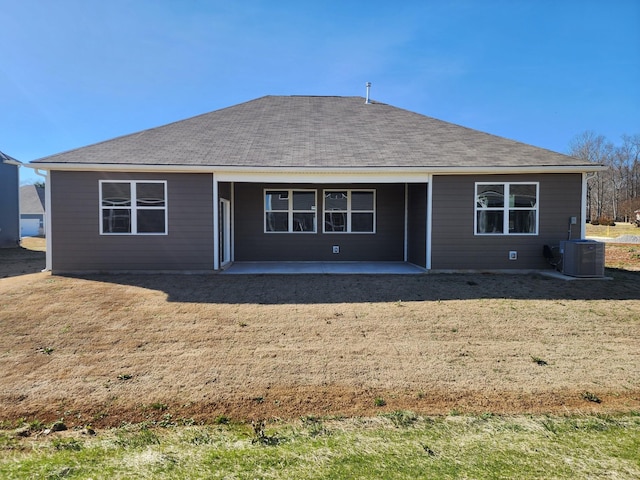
[300,239]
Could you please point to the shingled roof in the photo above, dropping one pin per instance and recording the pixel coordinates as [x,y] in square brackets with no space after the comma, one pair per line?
[4,158]
[32,199]
[313,132]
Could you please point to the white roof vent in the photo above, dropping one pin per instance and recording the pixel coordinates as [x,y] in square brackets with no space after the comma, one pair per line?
[368,85]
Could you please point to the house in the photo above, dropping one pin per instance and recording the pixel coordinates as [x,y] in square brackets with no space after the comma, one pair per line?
[9,212]
[310,179]
[32,221]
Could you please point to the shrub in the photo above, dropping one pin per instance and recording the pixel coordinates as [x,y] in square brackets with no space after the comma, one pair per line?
[606,221]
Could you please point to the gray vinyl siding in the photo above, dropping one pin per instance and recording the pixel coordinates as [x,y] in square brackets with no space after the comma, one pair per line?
[78,246]
[454,245]
[417,224]
[9,211]
[253,244]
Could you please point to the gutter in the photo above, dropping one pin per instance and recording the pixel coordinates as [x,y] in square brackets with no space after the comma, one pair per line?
[47,218]
[293,170]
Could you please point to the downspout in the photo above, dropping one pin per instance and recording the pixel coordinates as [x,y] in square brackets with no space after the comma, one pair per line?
[583,208]
[47,218]
[45,223]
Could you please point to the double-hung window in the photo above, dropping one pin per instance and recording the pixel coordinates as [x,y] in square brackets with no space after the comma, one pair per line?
[290,211]
[133,207]
[506,208]
[349,211]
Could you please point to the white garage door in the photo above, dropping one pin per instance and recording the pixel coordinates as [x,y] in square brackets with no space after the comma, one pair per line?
[29,227]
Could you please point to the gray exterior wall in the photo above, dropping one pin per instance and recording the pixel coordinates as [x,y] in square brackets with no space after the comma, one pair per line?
[75,226]
[417,224]
[9,206]
[224,190]
[454,245]
[78,246]
[253,244]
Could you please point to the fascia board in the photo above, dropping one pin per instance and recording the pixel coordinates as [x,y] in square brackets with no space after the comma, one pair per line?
[12,161]
[394,174]
[323,177]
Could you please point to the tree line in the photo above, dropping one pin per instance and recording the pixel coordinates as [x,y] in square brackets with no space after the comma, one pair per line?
[612,194]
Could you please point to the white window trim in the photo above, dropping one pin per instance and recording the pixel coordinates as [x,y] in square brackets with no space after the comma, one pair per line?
[506,209]
[134,208]
[349,211]
[290,211]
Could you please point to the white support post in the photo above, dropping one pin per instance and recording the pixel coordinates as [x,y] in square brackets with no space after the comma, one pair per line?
[429,218]
[583,207]
[406,222]
[232,223]
[216,224]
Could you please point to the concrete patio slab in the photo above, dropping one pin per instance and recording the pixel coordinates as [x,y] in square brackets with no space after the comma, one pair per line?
[345,268]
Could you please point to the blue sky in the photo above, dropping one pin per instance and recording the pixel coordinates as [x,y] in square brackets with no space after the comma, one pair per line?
[75,72]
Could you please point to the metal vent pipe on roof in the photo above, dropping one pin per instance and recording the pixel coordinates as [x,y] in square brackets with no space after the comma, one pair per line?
[368,85]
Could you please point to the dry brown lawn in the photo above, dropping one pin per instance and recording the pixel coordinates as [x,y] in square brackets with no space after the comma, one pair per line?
[107,349]
[620,228]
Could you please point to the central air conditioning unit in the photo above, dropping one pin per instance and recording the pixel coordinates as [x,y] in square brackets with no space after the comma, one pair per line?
[582,258]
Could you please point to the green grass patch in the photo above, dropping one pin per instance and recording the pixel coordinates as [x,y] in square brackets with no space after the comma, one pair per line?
[395,445]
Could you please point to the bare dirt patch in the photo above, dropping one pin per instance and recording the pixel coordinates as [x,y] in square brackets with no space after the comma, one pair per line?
[105,349]
[623,256]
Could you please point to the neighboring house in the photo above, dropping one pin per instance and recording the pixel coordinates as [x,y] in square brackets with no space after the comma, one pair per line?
[9,210]
[32,217]
[303,178]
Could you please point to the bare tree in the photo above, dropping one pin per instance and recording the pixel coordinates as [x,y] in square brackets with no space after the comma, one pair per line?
[592,147]
[630,151]
[613,193]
